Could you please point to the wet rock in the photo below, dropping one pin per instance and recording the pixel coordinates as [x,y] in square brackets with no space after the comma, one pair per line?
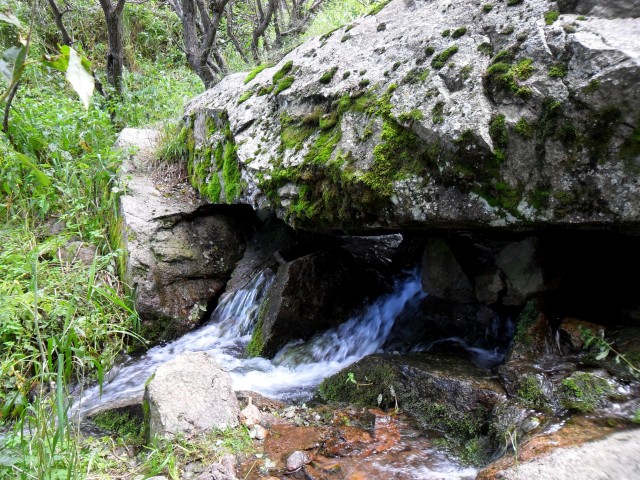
[571,331]
[179,253]
[584,392]
[441,392]
[442,275]
[534,337]
[188,395]
[581,448]
[489,286]
[310,294]
[297,460]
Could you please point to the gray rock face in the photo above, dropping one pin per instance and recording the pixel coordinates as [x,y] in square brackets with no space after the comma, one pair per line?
[190,394]
[310,294]
[179,253]
[442,275]
[437,114]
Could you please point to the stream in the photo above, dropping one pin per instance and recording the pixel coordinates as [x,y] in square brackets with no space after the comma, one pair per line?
[297,369]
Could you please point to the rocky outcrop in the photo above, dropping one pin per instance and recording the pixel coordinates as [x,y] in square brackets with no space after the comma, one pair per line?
[189,395]
[433,113]
[311,293]
[441,392]
[179,251]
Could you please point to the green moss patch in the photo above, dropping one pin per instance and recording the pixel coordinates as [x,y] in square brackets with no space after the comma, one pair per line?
[459,32]
[283,72]
[328,75]
[440,60]
[583,392]
[253,73]
[509,77]
[551,16]
[283,84]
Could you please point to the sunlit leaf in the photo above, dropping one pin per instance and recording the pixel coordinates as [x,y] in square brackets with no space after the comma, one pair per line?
[603,354]
[80,78]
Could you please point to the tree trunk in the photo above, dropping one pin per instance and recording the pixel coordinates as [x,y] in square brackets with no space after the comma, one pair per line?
[115,33]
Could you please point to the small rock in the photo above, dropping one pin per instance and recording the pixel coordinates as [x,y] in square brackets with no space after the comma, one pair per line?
[258,432]
[229,462]
[250,415]
[297,460]
[217,472]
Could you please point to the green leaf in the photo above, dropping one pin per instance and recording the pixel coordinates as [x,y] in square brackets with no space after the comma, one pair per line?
[42,177]
[10,60]
[7,17]
[603,354]
[80,77]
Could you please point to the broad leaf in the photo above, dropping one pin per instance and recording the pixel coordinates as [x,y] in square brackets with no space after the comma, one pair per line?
[80,77]
[603,354]
[7,17]
[12,57]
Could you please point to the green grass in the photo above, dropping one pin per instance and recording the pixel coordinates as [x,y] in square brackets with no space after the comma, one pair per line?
[551,16]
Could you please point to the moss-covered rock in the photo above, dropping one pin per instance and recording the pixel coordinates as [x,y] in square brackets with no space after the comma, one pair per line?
[583,392]
[442,393]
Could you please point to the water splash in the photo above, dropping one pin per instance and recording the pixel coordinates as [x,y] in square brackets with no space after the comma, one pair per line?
[297,369]
[224,336]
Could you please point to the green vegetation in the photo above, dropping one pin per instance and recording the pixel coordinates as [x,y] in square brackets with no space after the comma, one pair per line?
[487,7]
[486,48]
[253,73]
[437,113]
[328,75]
[511,3]
[443,57]
[378,6]
[507,76]
[428,51]
[583,392]
[558,71]
[498,131]
[592,86]
[530,393]
[245,96]
[551,16]
[414,115]
[459,32]
[524,128]
[283,72]
[283,84]
[446,33]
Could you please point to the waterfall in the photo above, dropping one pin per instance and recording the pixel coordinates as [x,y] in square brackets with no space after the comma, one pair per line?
[297,369]
[225,336]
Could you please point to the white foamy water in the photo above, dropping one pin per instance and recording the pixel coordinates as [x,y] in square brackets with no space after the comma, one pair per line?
[296,370]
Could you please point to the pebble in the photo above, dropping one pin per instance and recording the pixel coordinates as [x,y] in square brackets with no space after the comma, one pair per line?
[258,432]
[297,460]
[250,416]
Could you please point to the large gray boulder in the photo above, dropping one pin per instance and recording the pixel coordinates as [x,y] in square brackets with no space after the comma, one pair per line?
[179,251]
[190,394]
[436,114]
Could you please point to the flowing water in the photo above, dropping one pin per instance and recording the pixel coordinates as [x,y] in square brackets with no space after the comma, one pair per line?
[295,372]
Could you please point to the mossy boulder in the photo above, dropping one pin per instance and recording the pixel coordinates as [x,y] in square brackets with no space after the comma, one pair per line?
[473,140]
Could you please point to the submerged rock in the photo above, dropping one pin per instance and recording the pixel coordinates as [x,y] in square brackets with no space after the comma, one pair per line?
[189,395]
